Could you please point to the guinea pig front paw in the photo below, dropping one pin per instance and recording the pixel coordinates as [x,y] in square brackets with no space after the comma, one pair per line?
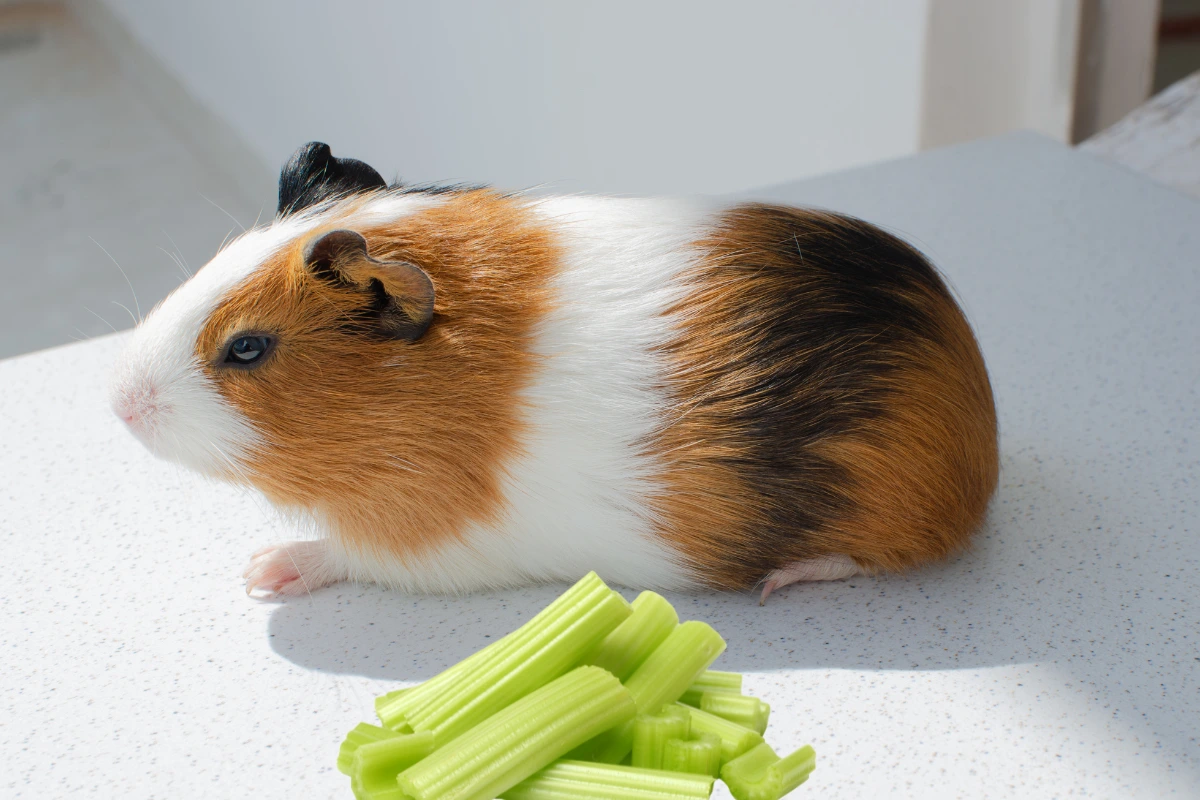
[292,568]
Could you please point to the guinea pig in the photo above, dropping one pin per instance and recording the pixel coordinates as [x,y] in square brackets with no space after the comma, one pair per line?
[457,388]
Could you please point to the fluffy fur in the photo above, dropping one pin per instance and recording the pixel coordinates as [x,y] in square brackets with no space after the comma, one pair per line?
[670,394]
[827,399]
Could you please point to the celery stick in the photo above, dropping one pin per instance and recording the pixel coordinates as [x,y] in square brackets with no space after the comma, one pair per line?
[660,680]
[712,681]
[795,767]
[701,755]
[539,654]
[435,701]
[521,739]
[749,712]
[436,690]
[358,736]
[569,790]
[528,668]
[674,665]
[624,650]
[393,709]
[651,732]
[747,775]
[376,765]
[384,699]
[578,780]
[735,739]
[611,775]
[762,775]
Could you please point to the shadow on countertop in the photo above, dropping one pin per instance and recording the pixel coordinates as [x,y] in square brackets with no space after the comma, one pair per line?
[1051,579]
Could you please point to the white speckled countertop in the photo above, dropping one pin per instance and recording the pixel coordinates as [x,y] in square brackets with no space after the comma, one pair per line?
[1060,657]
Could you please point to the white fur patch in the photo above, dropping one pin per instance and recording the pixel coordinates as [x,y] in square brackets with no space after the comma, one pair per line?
[159,383]
[577,500]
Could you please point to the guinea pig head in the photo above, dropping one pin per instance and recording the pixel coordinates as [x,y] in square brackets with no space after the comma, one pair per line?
[360,359]
[271,374]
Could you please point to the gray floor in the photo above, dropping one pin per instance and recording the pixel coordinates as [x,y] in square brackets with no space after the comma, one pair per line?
[94,178]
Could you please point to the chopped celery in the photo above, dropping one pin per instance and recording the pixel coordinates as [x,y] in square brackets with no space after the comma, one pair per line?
[376,764]
[392,707]
[660,680]
[749,712]
[571,790]
[673,666]
[701,755]
[453,702]
[485,727]
[735,739]
[794,768]
[712,681]
[384,699]
[578,780]
[516,742]
[361,734]
[651,732]
[444,688]
[624,650]
[762,775]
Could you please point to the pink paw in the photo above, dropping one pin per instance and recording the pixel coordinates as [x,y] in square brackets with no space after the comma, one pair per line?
[292,568]
[821,568]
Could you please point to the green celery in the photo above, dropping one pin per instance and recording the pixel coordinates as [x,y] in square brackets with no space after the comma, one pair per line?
[537,653]
[444,686]
[660,680]
[360,734]
[385,699]
[712,681]
[651,732]
[749,712]
[624,650]
[701,755]
[521,739]
[570,790]
[393,706]
[376,765]
[735,739]
[578,780]
[762,775]
[540,660]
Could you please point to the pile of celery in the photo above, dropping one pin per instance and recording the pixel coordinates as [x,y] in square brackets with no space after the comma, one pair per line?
[592,698]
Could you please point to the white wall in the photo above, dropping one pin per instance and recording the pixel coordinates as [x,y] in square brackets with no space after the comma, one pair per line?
[992,67]
[621,96]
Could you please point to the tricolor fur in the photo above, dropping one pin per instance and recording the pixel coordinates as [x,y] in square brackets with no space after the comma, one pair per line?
[671,394]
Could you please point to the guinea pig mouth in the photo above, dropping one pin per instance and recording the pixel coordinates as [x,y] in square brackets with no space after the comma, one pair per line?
[183,421]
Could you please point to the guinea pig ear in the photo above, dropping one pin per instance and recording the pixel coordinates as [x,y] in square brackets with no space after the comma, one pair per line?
[313,175]
[400,294]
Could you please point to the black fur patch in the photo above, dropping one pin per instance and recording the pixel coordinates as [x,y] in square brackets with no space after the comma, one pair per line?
[839,307]
[313,175]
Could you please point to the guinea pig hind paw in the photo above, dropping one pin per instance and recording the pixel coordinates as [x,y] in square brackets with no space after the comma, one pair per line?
[293,568]
[821,568]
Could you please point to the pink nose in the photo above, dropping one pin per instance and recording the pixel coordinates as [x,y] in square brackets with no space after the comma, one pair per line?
[127,409]
[136,405]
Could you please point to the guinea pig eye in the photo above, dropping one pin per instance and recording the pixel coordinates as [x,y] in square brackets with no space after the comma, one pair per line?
[248,349]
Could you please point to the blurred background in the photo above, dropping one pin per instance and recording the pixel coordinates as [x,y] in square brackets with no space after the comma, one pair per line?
[138,134]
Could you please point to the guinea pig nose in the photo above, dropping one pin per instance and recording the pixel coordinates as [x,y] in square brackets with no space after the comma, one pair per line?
[124,410]
[127,408]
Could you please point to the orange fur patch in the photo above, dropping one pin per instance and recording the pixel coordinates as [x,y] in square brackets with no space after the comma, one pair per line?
[828,398]
[398,446]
